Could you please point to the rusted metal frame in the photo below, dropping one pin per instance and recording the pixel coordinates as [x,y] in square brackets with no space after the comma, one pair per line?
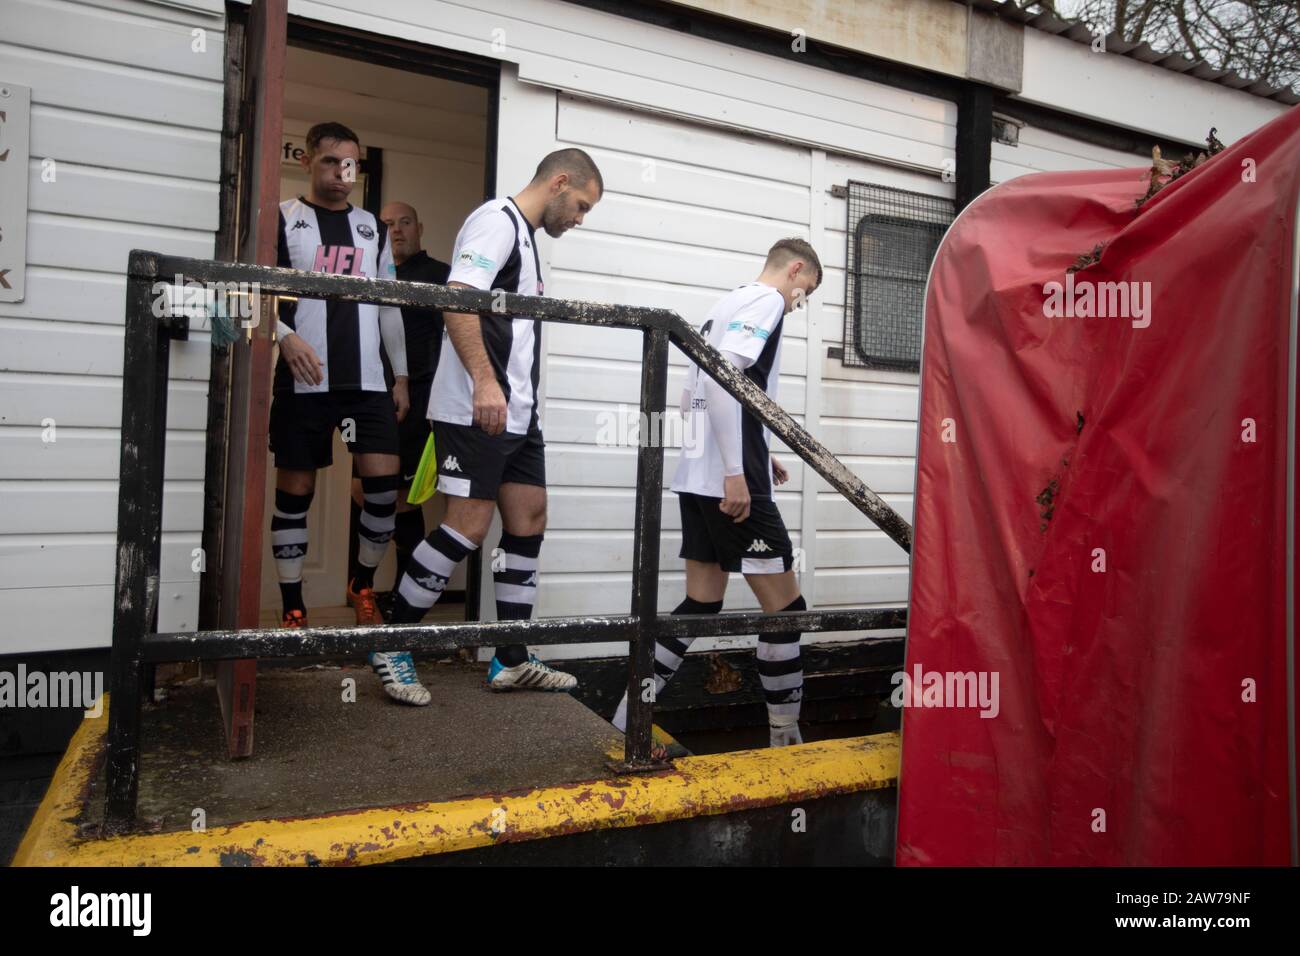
[645,548]
[271,280]
[243,488]
[356,640]
[778,420]
[139,537]
[216,432]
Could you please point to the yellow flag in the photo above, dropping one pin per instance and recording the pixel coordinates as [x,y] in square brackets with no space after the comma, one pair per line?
[426,476]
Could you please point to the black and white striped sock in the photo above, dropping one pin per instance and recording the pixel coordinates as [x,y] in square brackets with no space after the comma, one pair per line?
[514,578]
[289,545]
[669,652]
[427,573]
[780,669]
[378,511]
[407,537]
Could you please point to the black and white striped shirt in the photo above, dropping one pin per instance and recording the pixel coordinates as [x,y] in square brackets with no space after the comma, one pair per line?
[345,335]
[495,249]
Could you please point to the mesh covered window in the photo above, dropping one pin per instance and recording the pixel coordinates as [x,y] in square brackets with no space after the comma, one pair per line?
[892,235]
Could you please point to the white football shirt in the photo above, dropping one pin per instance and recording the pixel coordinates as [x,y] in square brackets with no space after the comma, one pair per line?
[747,322]
[495,249]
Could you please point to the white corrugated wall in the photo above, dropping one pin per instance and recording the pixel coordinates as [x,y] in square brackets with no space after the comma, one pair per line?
[710,151]
[131,115]
[689,212]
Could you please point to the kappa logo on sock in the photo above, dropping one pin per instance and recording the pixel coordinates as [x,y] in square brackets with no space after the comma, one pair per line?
[759,545]
[451,464]
[532,579]
[290,551]
[433,582]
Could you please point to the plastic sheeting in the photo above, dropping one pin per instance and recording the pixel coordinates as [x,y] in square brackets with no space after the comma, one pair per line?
[1101,523]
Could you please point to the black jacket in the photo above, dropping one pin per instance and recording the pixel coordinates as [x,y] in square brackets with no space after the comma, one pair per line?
[423,326]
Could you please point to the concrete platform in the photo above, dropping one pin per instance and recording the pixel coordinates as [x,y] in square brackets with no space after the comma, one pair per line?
[373,782]
[315,753]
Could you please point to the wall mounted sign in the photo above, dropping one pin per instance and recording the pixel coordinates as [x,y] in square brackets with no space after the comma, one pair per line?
[15,125]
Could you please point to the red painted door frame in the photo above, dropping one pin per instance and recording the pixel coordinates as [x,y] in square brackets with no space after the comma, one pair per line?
[250,362]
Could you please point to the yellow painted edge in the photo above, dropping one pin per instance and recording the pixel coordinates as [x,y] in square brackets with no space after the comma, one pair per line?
[696,786]
[52,830]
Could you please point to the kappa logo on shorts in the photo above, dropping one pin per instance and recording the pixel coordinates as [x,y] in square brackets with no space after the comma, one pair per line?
[759,545]
[365,231]
[451,464]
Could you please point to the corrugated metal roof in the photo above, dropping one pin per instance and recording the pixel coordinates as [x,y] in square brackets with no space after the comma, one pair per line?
[1138,51]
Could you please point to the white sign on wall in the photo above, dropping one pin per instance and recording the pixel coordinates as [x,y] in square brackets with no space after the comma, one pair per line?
[15,124]
[293,150]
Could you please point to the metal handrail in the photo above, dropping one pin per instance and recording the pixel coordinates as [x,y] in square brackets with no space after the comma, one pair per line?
[146,355]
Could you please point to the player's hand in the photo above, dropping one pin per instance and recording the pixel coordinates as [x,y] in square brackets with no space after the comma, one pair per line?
[401,396]
[301,359]
[779,474]
[735,498]
[489,406]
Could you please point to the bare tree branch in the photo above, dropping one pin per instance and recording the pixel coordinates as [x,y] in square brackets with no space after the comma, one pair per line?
[1259,39]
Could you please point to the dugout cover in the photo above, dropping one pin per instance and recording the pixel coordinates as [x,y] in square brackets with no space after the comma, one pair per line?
[1104,520]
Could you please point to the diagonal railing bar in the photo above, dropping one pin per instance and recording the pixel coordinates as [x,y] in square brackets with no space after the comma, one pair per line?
[778,420]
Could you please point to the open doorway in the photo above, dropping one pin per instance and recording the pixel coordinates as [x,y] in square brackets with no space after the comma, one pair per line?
[427,131]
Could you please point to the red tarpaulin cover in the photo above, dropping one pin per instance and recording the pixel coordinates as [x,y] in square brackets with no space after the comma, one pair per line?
[1095,528]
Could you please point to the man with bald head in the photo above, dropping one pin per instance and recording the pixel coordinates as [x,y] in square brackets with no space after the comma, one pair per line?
[423,341]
